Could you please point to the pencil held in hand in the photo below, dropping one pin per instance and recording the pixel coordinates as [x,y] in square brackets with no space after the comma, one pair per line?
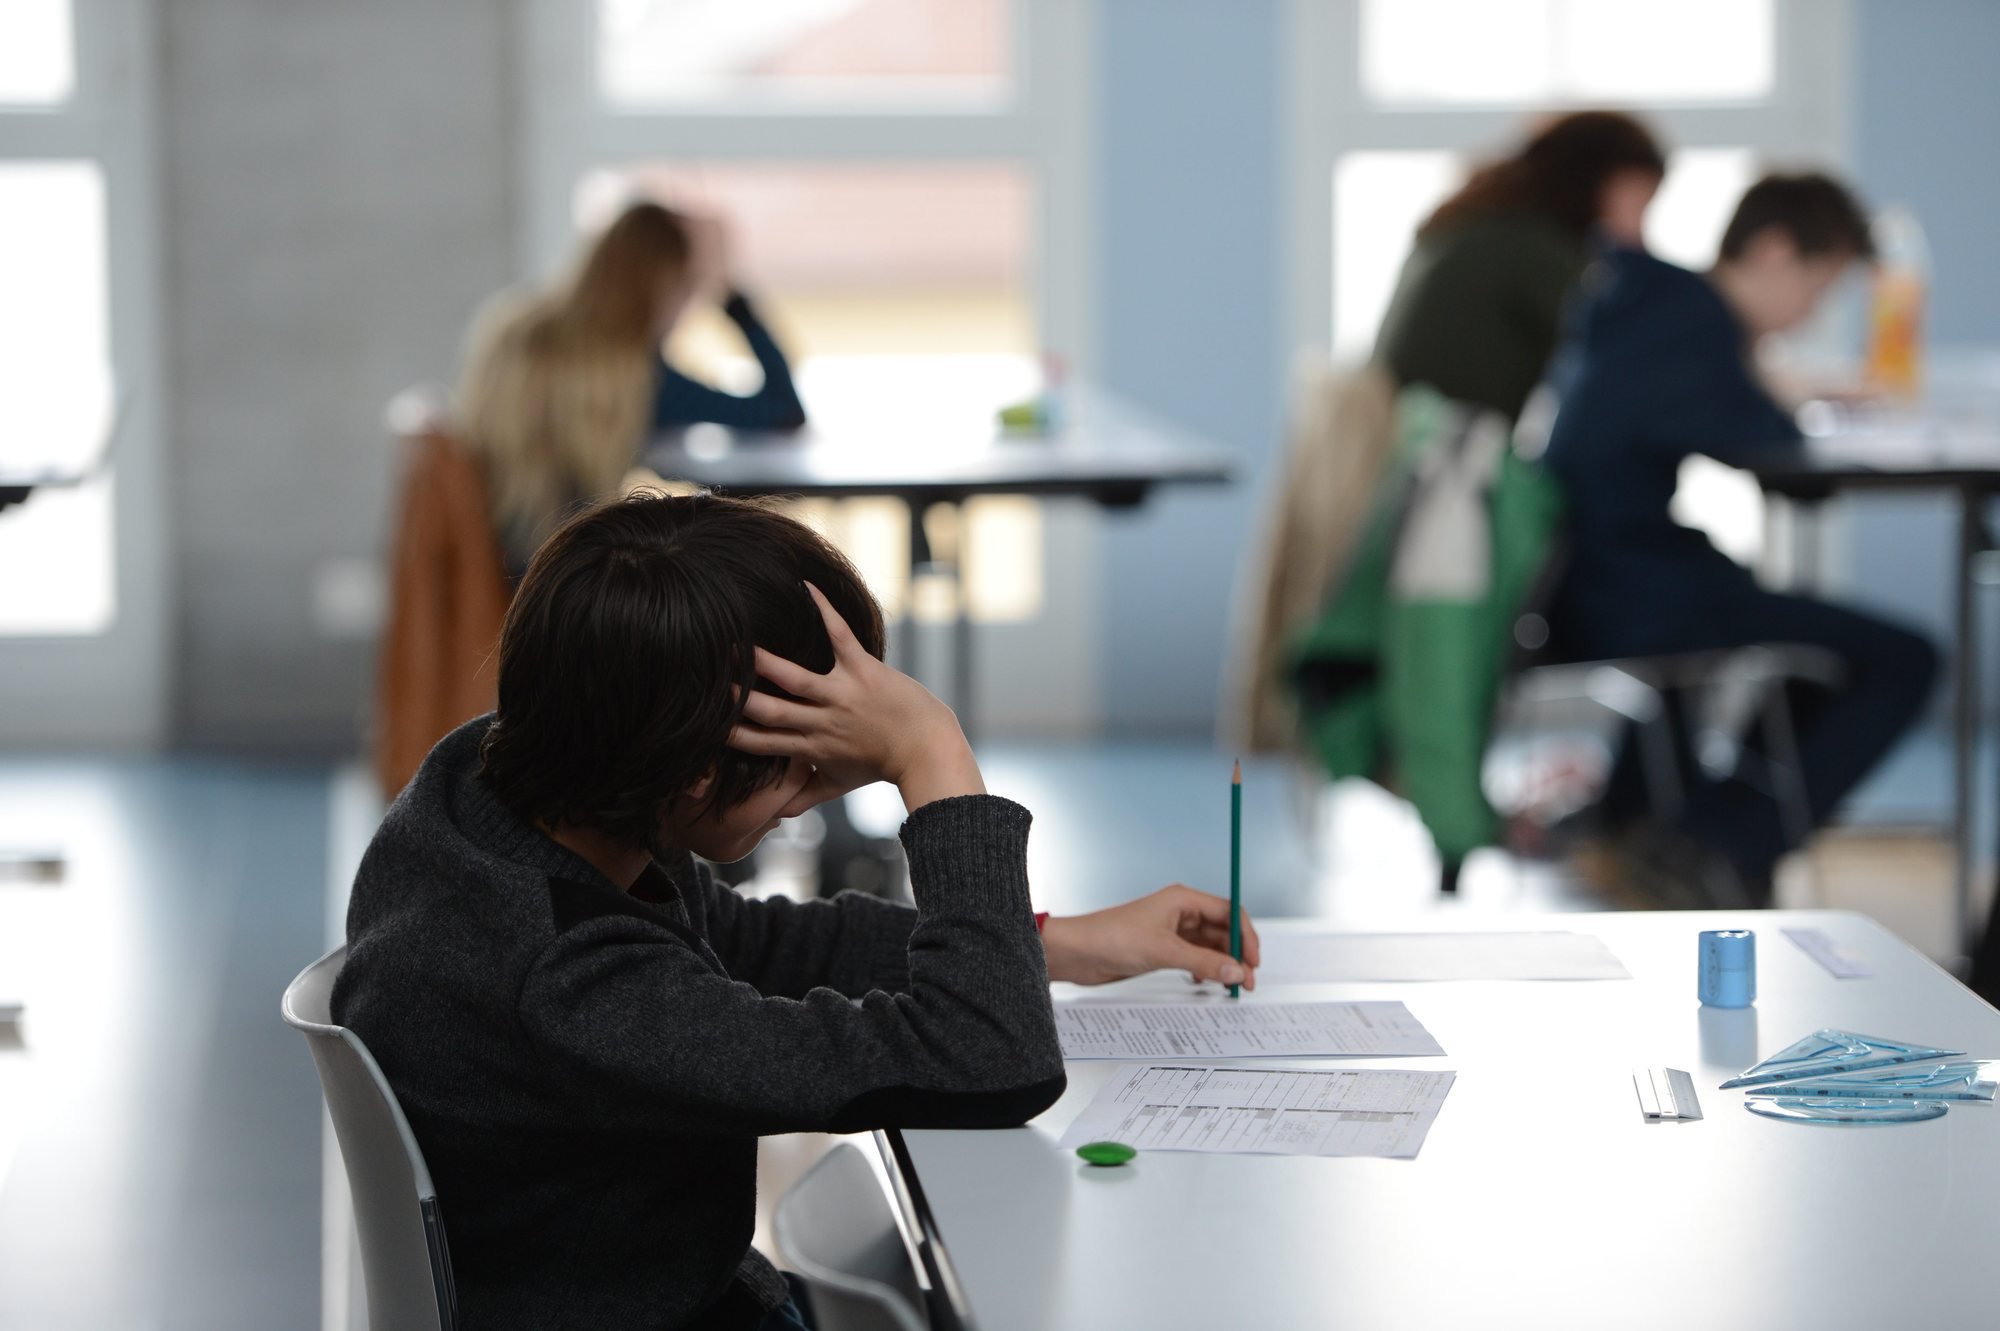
[1236,869]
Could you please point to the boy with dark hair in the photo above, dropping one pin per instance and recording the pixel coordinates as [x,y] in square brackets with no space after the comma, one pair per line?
[587,1032]
[1658,367]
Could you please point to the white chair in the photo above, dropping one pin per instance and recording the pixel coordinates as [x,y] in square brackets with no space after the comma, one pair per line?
[835,1228]
[404,1261]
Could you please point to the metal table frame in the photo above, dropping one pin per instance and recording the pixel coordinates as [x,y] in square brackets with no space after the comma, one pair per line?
[1805,479]
[1114,456]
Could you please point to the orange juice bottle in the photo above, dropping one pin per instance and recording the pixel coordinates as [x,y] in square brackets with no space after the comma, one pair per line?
[1896,306]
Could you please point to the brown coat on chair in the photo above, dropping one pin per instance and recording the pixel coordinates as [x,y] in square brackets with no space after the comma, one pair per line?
[1342,432]
[449,591]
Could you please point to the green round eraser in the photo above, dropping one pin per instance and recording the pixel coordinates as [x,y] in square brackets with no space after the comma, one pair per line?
[1105,1153]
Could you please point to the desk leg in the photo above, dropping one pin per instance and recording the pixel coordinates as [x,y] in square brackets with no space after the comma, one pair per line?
[920,558]
[1965,714]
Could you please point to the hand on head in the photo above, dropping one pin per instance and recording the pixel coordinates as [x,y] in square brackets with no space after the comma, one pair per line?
[1175,928]
[863,721]
[709,269]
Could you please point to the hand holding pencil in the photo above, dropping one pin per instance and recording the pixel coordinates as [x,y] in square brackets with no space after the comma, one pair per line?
[1175,928]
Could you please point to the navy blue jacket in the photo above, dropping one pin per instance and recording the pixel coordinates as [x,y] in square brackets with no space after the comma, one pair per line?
[1656,367]
[680,400]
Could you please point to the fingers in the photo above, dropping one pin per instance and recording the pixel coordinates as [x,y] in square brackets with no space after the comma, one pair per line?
[1206,963]
[1253,952]
[1207,911]
[766,743]
[845,644]
[790,676]
[811,795]
[771,712]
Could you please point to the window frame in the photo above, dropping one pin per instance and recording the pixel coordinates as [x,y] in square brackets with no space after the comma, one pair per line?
[1806,119]
[109,687]
[1037,675]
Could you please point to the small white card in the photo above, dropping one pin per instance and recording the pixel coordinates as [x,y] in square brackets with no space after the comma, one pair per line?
[1665,1093]
[1816,944]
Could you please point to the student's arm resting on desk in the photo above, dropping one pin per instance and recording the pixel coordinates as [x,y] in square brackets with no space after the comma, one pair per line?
[855,943]
[775,406]
[648,1037]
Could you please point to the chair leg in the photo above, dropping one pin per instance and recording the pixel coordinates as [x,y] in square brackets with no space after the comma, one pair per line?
[1787,773]
[1665,789]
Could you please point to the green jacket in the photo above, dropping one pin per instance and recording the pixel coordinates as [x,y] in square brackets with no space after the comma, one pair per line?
[1399,677]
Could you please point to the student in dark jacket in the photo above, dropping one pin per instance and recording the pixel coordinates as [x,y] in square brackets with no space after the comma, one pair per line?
[1477,306]
[1659,367]
[587,1032]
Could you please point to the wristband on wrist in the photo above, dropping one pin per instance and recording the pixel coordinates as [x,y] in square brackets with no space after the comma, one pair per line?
[1041,918]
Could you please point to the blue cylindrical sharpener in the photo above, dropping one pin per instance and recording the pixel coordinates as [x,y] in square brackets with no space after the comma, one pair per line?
[1728,976]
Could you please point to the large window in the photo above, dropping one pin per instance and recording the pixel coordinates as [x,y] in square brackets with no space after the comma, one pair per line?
[1394,100]
[807,53]
[1380,197]
[55,341]
[891,173]
[1511,53]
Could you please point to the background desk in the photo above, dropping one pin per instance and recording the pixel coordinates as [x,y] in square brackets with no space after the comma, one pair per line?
[1107,451]
[1964,462]
[1541,1199]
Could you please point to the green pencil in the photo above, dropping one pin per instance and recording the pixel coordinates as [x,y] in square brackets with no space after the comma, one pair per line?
[1236,869]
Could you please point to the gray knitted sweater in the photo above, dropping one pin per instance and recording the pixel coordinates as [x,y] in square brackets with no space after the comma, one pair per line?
[588,1070]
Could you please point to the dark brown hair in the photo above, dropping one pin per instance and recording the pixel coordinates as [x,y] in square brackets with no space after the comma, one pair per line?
[1820,214]
[628,641]
[1559,173]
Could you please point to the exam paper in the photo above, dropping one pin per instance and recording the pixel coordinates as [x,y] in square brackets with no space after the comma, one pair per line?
[1239,1029]
[1550,955]
[1264,1111]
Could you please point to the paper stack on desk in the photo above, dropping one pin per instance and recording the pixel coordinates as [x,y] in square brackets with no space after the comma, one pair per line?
[1264,1111]
[1233,1029]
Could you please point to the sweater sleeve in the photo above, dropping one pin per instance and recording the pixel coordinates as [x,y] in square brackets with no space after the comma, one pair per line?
[1689,376]
[648,1037]
[852,944]
[775,406]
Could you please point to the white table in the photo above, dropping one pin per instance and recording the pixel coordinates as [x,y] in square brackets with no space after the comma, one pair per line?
[1541,1199]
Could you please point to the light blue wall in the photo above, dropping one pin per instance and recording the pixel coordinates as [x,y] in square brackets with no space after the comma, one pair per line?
[1190,118]
[1926,120]
[1926,116]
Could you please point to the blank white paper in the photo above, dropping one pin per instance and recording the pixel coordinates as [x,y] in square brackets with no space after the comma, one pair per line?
[1264,1111]
[1819,945]
[1239,1028]
[1548,955]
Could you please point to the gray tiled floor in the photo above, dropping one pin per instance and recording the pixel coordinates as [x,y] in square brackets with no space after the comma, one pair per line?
[167,1124]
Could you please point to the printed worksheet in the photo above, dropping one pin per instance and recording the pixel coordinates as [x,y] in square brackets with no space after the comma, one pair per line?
[1241,1028]
[1440,955]
[1264,1111]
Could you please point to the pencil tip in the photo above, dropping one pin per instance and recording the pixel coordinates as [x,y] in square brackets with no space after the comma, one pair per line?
[1236,773]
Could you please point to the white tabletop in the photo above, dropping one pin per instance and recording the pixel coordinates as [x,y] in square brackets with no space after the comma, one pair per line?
[1541,1199]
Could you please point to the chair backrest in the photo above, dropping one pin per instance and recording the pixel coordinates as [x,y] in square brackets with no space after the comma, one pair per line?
[404,1261]
[835,1228]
